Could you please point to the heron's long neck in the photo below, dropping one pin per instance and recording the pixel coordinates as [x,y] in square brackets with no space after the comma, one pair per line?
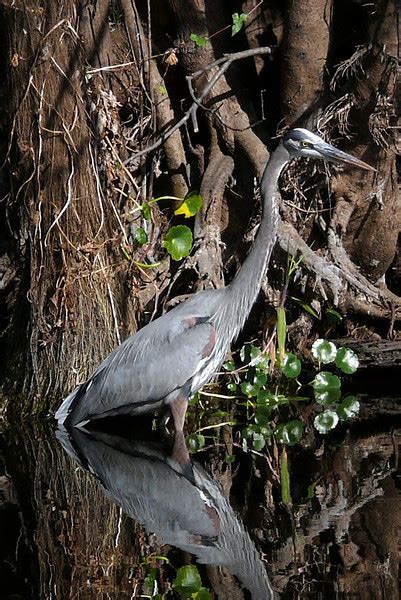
[245,287]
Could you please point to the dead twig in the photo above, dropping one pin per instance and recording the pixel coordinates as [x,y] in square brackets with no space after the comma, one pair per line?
[226,61]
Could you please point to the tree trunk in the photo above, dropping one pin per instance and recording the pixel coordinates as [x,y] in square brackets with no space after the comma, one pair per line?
[93,90]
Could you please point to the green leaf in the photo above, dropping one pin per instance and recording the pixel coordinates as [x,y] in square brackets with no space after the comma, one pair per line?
[326,421]
[281,331]
[285,479]
[259,379]
[291,365]
[264,397]
[324,351]
[329,396]
[261,362]
[333,316]
[150,580]
[238,21]
[191,204]
[347,360]
[163,89]
[202,594]
[145,211]
[248,432]
[311,493]
[248,389]
[232,386]
[307,308]
[141,237]
[199,40]
[290,433]
[229,365]
[348,408]
[266,432]
[325,381]
[187,581]
[230,458]
[262,417]
[178,241]
[258,441]
[195,442]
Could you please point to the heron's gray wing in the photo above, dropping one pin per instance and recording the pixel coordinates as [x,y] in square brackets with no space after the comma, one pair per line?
[161,358]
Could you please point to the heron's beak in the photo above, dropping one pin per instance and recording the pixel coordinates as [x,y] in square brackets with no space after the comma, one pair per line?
[332,154]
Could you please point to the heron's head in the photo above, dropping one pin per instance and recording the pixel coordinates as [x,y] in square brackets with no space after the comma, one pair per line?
[301,142]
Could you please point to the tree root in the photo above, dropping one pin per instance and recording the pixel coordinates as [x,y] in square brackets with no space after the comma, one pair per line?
[207,231]
[172,144]
[339,277]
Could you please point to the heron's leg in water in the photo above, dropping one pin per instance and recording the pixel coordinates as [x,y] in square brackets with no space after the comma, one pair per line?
[178,410]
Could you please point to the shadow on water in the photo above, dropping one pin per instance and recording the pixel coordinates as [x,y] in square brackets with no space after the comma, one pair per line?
[83,513]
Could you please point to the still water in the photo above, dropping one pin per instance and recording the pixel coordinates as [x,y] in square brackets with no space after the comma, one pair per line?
[97,514]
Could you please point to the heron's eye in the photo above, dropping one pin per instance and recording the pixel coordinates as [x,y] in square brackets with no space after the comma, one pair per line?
[305,144]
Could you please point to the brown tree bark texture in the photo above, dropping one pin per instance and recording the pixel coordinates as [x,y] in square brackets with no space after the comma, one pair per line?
[66,226]
[79,168]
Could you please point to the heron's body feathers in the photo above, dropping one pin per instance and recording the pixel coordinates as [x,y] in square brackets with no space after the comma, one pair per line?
[172,357]
[149,369]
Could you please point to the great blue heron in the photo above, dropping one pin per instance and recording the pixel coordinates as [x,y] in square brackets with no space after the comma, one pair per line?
[171,358]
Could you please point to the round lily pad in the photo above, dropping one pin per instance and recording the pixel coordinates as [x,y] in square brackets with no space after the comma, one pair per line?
[325,381]
[290,433]
[324,351]
[347,360]
[348,408]
[291,365]
[326,421]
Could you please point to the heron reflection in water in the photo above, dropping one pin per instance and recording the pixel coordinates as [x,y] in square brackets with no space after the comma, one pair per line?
[171,358]
[181,503]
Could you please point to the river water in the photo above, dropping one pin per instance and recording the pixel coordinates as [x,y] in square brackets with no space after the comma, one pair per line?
[98,514]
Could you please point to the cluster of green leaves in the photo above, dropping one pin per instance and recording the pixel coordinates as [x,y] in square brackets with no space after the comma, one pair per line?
[327,385]
[178,240]
[187,581]
[265,400]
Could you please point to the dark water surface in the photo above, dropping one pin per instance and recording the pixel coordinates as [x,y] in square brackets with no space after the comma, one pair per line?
[89,514]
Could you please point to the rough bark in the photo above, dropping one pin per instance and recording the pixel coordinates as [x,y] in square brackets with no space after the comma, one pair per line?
[92,95]
[307,39]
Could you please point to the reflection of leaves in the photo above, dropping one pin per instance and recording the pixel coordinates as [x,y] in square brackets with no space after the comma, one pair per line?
[291,366]
[326,421]
[238,22]
[347,360]
[178,241]
[281,331]
[191,204]
[348,408]
[199,40]
[324,351]
[290,433]
[325,381]
[285,479]
[329,396]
